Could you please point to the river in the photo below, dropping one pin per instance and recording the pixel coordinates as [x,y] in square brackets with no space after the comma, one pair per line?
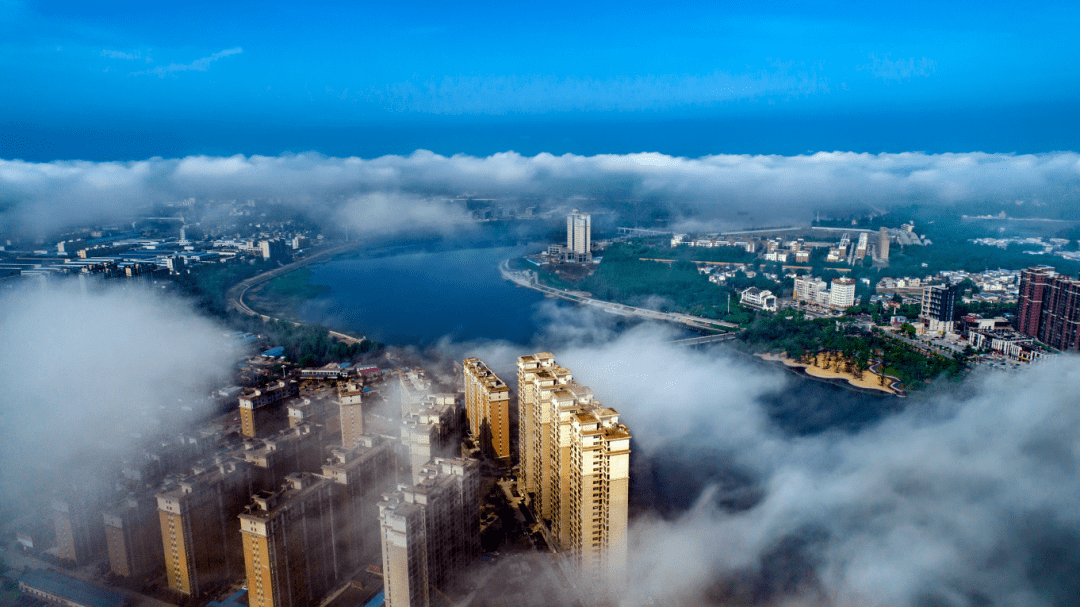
[418,298]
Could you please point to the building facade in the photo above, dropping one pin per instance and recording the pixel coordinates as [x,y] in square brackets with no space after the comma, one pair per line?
[430,532]
[296,449]
[883,246]
[133,536]
[756,299]
[1049,308]
[77,521]
[487,407]
[262,411]
[431,431]
[938,309]
[288,543]
[579,234]
[842,293]
[575,465]
[807,289]
[199,529]
[362,474]
[351,410]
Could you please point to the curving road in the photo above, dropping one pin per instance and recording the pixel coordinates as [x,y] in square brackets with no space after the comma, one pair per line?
[235,294]
[526,279]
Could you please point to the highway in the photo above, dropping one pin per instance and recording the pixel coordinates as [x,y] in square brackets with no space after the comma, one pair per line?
[526,279]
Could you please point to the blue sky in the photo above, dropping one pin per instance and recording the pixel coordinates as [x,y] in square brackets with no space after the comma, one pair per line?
[120,80]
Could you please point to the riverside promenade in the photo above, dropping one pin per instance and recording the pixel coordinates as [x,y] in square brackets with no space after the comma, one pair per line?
[528,279]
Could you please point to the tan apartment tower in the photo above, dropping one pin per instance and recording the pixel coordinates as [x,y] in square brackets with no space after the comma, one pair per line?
[351,408]
[487,406]
[430,532]
[199,528]
[133,536]
[77,520]
[288,542]
[538,377]
[883,245]
[297,449]
[262,411]
[575,465]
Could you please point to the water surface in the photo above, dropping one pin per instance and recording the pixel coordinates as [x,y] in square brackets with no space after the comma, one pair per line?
[418,298]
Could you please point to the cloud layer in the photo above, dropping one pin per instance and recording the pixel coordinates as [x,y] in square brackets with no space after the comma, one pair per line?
[967,497]
[98,371]
[712,190]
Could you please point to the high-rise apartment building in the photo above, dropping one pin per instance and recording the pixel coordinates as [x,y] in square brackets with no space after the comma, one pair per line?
[430,532]
[351,408]
[487,407]
[262,410]
[883,246]
[939,307]
[288,543]
[133,536]
[811,289]
[538,377]
[842,293]
[575,465]
[431,431]
[862,246]
[579,235]
[1034,287]
[199,527]
[362,474]
[79,533]
[1049,308]
[599,484]
[297,449]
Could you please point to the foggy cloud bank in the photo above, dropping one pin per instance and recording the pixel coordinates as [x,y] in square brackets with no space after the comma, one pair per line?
[966,497]
[98,371]
[411,192]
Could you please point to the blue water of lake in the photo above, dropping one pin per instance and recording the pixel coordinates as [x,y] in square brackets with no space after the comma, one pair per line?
[418,298]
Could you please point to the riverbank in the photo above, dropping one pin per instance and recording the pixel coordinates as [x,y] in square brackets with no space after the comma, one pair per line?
[870,380]
[526,278]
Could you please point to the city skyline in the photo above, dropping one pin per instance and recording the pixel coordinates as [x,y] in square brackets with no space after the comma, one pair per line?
[609,304]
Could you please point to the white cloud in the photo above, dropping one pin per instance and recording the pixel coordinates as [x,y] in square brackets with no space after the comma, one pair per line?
[966,497]
[710,190]
[98,370]
[199,65]
[491,94]
[899,70]
[120,55]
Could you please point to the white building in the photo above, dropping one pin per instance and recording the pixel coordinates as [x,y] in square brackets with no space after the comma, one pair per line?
[579,234]
[808,287]
[759,300]
[842,294]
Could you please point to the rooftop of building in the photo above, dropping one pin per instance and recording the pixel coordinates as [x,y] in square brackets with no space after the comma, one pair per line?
[268,504]
[70,589]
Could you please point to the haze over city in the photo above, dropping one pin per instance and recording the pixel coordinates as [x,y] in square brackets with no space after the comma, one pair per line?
[605,304]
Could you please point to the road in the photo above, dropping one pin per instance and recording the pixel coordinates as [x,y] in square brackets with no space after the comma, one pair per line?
[235,294]
[525,279]
[707,339]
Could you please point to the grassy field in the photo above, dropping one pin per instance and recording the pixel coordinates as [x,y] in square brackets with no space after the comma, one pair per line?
[283,295]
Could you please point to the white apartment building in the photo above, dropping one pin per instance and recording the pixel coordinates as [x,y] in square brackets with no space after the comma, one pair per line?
[842,293]
[579,233]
